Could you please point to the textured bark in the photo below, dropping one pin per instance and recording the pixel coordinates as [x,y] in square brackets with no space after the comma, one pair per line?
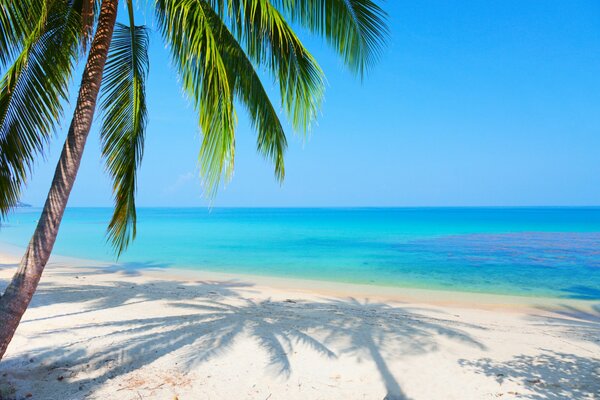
[19,292]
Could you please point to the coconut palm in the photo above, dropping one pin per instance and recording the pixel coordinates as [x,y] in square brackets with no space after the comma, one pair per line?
[218,47]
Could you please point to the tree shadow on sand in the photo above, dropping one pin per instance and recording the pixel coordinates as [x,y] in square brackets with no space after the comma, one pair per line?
[202,325]
[8,266]
[4,282]
[115,294]
[371,327]
[554,375]
[124,268]
[547,376]
[576,322]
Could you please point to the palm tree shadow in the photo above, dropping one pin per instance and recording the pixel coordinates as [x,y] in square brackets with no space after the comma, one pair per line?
[112,295]
[576,322]
[8,266]
[4,282]
[554,375]
[209,316]
[548,376]
[124,268]
[367,328]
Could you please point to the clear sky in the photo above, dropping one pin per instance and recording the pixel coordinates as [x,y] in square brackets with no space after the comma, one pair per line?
[473,103]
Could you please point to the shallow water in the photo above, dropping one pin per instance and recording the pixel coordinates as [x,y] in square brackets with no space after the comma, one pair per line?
[524,251]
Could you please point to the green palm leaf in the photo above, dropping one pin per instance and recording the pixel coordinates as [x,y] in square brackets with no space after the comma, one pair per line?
[18,20]
[248,88]
[356,29]
[31,96]
[195,52]
[209,72]
[123,128]
[271,42]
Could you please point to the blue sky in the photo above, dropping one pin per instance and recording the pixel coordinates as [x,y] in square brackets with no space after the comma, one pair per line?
[473,103]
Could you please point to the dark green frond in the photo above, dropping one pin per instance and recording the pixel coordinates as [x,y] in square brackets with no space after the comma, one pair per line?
[18,20]
[271,140]
[31,96]
[356,29]
[124,123]
[196,54]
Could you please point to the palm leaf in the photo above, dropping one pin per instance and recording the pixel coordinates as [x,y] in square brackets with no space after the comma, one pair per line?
[124,122]
[209,73]
[18,20]
[218,44]
[195,52]
[270,42]
[31,96]
[271,140]
[356,29]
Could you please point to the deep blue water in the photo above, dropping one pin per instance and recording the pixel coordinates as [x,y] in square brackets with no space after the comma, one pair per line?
[526,251]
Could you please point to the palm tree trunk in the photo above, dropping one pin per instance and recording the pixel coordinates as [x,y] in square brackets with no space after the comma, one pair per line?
[19,292]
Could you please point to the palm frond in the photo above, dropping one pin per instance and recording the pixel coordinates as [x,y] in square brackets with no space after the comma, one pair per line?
[248,88]
[31,96]
[270,42]
[18,20]
[195,52]
[209,75]
[356,29]
[124,123]
[218,44]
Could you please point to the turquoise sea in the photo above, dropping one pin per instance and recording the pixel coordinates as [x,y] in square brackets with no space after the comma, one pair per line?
[524,251]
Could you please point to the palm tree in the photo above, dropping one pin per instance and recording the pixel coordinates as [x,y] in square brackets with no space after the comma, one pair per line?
[218,48]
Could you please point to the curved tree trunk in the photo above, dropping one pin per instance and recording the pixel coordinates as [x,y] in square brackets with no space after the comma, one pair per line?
[17,296]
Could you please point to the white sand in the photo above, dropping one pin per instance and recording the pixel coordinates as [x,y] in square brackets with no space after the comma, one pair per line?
[102,333]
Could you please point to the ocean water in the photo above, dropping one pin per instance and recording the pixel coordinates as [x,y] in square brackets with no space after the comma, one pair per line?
[520,251]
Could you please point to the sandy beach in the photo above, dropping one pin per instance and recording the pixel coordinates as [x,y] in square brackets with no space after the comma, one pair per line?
[96,331]
[299,200]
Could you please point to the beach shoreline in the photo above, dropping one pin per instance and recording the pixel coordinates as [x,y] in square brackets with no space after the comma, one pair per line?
[303,286]
[96,331]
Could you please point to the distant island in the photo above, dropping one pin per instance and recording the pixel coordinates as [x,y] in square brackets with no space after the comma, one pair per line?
[21,204]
